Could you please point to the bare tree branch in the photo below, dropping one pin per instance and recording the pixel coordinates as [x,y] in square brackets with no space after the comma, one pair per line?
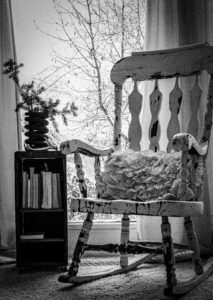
[95,34]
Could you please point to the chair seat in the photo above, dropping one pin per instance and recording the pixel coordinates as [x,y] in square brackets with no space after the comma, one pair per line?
[170,208]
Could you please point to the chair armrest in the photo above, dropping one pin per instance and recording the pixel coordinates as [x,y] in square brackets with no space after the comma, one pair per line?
[186,142]
[191,178]
[72,146]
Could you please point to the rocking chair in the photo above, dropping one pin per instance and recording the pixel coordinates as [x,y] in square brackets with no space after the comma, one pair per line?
[187,201]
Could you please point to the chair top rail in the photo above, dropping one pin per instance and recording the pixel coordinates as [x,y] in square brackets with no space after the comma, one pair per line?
[162,64]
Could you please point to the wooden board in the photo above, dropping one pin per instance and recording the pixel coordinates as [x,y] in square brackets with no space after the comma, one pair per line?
[114,271]
[150,208]
[186,287]
[164,64]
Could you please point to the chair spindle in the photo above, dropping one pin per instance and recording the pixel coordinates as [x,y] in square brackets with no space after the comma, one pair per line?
[195,98]
[117,124]
[135,130]
[168,250]
[80,174]
[97,167]
[125,222]
[175,100]
[193,245]
[155,99]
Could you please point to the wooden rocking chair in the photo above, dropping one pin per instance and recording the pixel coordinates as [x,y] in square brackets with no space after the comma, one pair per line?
[152,65]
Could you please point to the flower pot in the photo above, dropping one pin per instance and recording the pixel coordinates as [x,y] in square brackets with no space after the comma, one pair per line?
[37,130]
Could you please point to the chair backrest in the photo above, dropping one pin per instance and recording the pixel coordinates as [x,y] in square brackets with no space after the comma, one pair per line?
[155,65]
[163,64]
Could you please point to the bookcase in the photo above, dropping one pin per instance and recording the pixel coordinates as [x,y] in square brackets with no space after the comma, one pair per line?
[41,209]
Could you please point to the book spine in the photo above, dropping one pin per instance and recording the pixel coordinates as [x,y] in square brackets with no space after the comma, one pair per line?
[54,191]
[24,189]
[31,187]
[59,190]
[44,190]
[28,193]
[47,189]
[35,191]
[40,190]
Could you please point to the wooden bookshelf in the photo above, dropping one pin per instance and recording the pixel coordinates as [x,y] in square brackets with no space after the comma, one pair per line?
[41,209]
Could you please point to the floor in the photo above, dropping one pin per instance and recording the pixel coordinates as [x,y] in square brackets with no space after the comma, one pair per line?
[147,282]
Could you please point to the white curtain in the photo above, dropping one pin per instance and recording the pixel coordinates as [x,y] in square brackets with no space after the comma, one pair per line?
[9,133]
[169,24]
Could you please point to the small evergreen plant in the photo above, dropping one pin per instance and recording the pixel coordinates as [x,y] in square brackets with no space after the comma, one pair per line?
[31,100]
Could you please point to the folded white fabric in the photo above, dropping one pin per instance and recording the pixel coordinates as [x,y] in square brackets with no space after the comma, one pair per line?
[141,176]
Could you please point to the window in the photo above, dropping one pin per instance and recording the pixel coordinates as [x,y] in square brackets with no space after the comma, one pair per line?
[71,64]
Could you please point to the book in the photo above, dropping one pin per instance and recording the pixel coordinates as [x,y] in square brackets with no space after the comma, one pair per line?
[49,189]
[39,190]
[54,191]
[35,191]
[46,190]
[24,189]
[32,236]
[59,190]
[31,187]
[28,193]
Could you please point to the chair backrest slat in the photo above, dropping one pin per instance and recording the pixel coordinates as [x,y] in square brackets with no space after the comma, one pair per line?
[80,174]
[155,65]
[135,131]
[208,116]
[175,100]
[117,123]
[195,98]
[97,168]
[155,100]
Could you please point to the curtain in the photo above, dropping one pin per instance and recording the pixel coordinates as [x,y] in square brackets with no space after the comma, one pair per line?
[169,24]
[9,133]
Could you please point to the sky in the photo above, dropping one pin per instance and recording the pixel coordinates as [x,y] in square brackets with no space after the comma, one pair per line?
[32,47]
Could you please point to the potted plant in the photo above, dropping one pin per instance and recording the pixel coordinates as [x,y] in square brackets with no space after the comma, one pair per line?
[37,110]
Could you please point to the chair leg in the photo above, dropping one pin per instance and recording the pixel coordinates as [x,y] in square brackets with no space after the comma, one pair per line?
[124,240]
[80,245]
[168,250]
[193,245]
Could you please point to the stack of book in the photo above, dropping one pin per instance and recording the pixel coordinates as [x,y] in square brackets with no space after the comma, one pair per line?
[41,190]
[32,236]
